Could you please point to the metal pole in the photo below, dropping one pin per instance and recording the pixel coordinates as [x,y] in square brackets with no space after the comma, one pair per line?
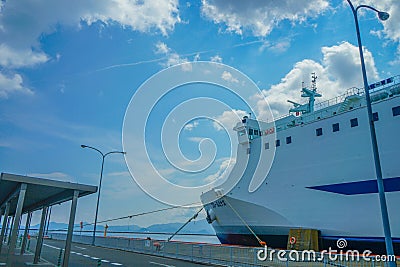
[14,231]
[98,201]
[68,241]
[39,241]
[26,232]
[48,221]
[9,227]
[5,221]
[45,221]
[378,169]
[101,178]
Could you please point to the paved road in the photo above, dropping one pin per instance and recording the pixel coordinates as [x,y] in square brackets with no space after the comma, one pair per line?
[85,255]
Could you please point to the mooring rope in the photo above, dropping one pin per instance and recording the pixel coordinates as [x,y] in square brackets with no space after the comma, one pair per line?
[262,243]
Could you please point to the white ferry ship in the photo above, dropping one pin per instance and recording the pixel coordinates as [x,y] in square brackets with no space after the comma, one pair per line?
[322,176]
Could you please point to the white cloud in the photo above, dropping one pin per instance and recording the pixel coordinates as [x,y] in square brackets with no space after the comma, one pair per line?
[342,62]
[216,58]
[191,126]
[223,171]
[175,58]
[42,17]
[277,47]
[227,76]
[12,84]
[139,15]
[339,70]
[391,29]
[15,58]
[59,176]
[391,26]
[196,139]
[258,16]
[22,23]
[172,58]
[162,48]
[36,18]
[228,118]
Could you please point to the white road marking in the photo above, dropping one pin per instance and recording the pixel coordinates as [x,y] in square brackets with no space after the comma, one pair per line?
[161,264]
[50,246]
[95,258]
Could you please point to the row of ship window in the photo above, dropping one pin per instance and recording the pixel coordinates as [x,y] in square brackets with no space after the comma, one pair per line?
[336,127]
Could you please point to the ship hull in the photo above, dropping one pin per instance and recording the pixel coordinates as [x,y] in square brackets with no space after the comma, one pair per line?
[324,182]
[259,223]
[376,245]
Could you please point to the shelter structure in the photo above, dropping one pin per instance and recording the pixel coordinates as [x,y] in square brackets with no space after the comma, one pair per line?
[22,194]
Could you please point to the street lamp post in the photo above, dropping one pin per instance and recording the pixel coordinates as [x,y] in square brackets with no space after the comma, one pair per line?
[378,169]
[101,178]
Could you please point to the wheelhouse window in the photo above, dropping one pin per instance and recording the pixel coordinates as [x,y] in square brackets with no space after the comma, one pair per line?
[335,127]
[375,116]
[396,111]
[318,131]
[354,122]
[253,133]
[288,140]
[277,143]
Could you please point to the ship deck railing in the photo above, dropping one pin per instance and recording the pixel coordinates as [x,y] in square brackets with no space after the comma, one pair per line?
[221,255]
[378,86]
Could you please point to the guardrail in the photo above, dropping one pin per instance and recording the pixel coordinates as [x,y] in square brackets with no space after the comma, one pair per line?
[223,255]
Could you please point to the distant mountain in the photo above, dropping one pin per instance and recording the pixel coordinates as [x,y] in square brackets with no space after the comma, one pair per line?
[52,226]
[195,227]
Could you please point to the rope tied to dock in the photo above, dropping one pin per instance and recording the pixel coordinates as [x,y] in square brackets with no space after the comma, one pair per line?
[192,218]
[135,215]
[262,243]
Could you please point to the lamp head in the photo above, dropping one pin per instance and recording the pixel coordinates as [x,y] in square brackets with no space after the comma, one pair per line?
[383,15]
[83,146]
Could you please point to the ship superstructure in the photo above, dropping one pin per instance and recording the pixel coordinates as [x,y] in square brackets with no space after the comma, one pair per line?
[322,175]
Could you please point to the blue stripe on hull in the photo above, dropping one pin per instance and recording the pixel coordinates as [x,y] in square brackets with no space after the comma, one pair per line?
[361,187]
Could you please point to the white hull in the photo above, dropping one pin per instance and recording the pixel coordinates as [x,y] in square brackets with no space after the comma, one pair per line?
[322,182]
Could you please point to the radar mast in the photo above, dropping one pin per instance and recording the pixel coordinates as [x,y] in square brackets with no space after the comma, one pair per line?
[311,94]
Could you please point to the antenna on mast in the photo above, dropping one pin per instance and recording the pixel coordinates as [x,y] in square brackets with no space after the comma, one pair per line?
[314,82]
[311,94]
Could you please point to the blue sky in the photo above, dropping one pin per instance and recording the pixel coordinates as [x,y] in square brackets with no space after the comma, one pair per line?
[69,70]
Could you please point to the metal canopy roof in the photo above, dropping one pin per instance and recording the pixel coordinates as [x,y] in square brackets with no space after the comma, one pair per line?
[40,192]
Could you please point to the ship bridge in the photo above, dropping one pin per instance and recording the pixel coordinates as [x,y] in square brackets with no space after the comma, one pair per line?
[249,129]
